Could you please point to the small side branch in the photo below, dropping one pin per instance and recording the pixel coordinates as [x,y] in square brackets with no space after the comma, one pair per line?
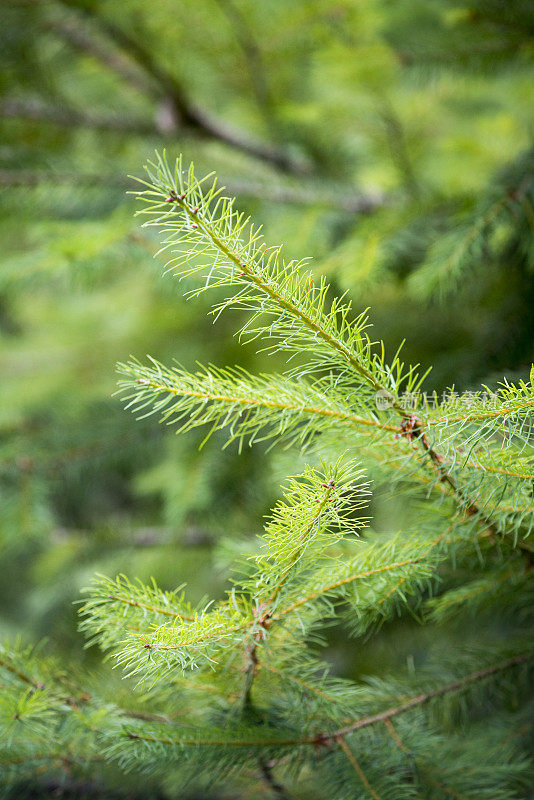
[361,774]
[421,699]
[325,737]
[400,744]
[270,780]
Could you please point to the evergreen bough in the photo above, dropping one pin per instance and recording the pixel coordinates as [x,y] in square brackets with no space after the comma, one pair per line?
[234,691]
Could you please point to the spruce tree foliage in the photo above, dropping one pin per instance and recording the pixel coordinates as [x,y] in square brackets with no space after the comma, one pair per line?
[234,690]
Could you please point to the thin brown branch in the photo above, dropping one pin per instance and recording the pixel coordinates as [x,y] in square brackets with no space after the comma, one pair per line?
[361,774]
[325,737]
[420,699]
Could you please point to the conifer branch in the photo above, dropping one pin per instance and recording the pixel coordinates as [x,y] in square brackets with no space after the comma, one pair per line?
[118,606]
[304,684]
[298,319]
[400,744]
[425,697]
[19,674]
[359,771]
[147,607]
[242,403]
[265,605]
[209,225]
[326,737]
[331,587]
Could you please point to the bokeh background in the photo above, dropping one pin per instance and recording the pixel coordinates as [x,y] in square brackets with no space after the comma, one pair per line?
[390,141]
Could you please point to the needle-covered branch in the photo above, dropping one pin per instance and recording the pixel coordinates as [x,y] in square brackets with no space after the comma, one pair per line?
[208,238]
[250,408]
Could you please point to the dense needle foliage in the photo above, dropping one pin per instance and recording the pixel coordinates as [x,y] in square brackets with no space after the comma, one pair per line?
[235,688]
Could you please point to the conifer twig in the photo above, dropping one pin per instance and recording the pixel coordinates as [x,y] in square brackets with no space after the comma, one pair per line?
[400,744]
[254,271]
[326,737]
[361,774]
[425,697]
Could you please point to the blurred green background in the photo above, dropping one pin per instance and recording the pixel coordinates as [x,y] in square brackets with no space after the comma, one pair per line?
[390,141]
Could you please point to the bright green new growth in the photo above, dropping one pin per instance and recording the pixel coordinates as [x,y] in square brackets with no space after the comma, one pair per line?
[299,537]
[226,687]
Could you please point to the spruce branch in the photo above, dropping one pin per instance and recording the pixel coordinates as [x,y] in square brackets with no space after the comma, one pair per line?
[425,697]
[152,633]
[201,224]
[120,605]
[359,771]
[252,407]
[312,505]
[209,238]
[480,234]
[381,570]
[400,744]
[270,780]
[322,738]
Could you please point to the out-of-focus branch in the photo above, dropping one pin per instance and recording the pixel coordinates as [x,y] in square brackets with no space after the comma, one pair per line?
[170,90]
[73,118]
[338,198]
[396,139]
[330,197]
[76,36]
[269,779]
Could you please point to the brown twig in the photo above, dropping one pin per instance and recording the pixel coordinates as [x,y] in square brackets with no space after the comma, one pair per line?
[361,774]
[327,737]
